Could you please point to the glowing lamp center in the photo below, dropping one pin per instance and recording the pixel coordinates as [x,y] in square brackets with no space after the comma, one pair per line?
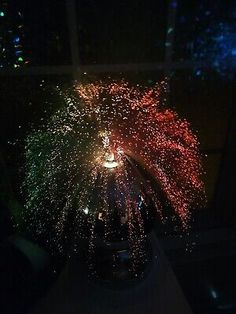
[110,162]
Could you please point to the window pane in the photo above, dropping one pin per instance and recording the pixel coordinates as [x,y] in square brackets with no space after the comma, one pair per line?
[205,33]
[214,215]
[126,32]
[34,33]
[206,104]
[211,164]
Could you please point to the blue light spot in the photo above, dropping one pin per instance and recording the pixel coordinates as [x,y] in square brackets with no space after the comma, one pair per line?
[2,13]
[198,72]
[174,4]
[213,294]
[233,52]
[18,52]
[16,40]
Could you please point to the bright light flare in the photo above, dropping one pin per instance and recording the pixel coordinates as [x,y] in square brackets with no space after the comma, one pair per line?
[110,162]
